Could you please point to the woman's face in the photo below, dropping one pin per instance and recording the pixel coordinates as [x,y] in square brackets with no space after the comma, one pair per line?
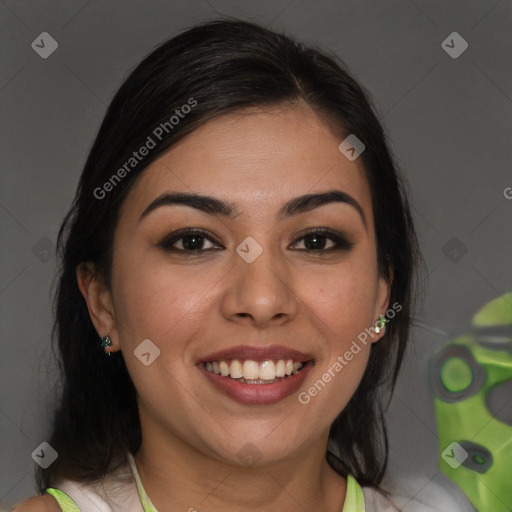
[256,283]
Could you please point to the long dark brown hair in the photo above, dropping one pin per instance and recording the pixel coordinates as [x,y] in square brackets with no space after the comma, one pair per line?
[223,66]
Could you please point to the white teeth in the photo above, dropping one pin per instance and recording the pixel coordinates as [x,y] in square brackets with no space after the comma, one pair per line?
[280,368]
[235,370]
[267,370]
[224,368]
[253,372]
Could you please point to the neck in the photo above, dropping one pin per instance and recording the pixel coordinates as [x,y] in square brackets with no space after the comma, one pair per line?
[176,476]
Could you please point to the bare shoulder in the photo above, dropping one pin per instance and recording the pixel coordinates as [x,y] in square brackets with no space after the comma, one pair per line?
[44,503]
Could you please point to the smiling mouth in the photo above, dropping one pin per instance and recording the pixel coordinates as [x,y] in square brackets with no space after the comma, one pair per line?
[254,372]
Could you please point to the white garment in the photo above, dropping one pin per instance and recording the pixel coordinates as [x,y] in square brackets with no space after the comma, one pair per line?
[117,492]
[433,498]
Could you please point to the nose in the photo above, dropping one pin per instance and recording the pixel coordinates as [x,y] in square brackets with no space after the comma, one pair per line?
[261,293]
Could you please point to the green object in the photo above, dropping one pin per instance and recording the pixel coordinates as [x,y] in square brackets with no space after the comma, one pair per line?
[456,374]
[64,501]
[475,448]
[496,312]
[354,497]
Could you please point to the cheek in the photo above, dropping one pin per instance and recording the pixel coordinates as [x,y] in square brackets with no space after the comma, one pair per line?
[342,302]
[331,390]
[155,303]
[342,311]
[343,298]
[153,300]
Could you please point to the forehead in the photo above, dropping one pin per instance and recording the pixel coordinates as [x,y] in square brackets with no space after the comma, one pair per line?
[256,159]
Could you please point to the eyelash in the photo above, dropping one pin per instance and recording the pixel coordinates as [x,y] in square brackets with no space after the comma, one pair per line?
[341,243]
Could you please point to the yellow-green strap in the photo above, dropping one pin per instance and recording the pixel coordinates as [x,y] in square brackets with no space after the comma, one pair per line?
[144,498]
[64,501]
[354,499]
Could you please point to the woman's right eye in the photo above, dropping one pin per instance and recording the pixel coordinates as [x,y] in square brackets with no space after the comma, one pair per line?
[189,240]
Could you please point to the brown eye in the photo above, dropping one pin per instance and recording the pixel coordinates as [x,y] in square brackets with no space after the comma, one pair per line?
[316,240]
[192,241]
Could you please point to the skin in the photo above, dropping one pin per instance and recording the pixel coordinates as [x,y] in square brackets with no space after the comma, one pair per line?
[191,306]
[45,503]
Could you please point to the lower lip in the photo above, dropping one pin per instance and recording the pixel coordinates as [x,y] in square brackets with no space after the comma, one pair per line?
[257,394]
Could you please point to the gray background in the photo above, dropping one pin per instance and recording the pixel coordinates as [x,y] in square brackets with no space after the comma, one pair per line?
[449,121]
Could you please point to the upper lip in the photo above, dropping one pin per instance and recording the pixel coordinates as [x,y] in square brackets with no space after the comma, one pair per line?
[257,353]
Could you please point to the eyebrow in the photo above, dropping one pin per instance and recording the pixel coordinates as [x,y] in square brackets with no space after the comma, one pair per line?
[215,206]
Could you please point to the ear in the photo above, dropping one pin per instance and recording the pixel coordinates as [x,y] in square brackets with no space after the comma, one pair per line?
[99,302]
[382,300]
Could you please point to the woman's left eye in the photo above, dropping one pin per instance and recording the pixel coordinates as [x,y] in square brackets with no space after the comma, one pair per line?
[315,241]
